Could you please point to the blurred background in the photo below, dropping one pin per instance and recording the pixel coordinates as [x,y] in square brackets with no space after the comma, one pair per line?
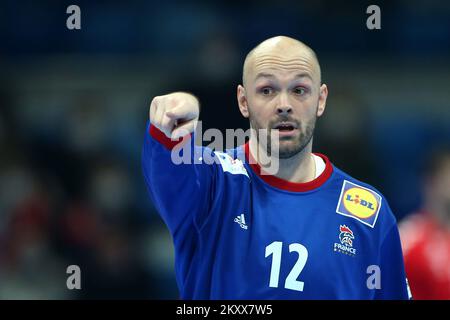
[74,106]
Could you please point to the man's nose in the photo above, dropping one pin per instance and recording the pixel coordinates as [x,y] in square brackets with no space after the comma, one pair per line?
[284,107]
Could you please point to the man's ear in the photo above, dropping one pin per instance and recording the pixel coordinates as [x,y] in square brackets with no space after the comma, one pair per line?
[322,99]
[242,101]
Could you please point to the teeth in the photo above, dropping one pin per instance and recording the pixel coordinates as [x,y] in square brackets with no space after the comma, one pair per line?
[285,127]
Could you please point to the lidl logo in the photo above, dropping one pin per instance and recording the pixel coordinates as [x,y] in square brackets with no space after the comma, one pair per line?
[359,202]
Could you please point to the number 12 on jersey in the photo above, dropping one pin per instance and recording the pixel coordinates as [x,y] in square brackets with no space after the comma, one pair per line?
[275,250]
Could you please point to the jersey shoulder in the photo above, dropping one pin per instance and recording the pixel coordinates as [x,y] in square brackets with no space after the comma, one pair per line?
[230,162]
[362,201]
[226,164]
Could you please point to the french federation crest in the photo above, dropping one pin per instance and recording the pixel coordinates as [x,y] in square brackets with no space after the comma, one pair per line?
[346,238]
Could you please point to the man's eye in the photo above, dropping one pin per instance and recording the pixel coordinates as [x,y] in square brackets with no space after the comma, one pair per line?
[267,91]
[300,91]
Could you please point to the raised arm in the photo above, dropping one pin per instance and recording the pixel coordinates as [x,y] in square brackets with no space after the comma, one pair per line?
[180,192]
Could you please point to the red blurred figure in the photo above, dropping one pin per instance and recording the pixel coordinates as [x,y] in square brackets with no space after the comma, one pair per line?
[426,235]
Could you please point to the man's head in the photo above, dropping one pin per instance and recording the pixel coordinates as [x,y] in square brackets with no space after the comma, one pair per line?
[282,91]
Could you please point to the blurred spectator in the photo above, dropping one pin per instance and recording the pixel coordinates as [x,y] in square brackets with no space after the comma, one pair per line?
[426,234]
[29,267]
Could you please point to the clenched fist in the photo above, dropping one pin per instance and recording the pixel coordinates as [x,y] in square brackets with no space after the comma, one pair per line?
[175,114]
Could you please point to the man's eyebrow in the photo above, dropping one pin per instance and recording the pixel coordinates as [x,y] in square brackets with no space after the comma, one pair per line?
[264,75]
[269,75]
[304,75]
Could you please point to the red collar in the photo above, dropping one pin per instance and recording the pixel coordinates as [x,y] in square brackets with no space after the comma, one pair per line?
[287,185]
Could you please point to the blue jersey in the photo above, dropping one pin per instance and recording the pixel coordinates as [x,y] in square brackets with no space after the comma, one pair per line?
[240,234]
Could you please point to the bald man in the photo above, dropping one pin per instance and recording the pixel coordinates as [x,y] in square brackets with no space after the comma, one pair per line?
[305,231]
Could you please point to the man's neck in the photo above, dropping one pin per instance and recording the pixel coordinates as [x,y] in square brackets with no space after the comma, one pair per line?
[300,168]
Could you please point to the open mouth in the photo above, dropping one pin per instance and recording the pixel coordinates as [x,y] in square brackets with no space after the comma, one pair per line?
[285,127]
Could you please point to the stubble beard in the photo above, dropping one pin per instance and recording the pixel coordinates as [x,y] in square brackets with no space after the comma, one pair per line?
[285,151]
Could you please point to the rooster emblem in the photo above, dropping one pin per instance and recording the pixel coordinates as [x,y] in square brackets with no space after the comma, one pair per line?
[346,236]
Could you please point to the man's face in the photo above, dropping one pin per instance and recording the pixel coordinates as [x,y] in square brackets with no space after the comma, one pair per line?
[285,95]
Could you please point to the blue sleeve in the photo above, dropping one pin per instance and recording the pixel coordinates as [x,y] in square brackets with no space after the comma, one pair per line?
[180,192]
[394,284]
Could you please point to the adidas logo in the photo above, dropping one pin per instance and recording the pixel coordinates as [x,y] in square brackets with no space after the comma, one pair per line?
[241,221]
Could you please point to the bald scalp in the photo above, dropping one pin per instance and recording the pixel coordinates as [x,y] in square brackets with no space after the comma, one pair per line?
[280,46]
